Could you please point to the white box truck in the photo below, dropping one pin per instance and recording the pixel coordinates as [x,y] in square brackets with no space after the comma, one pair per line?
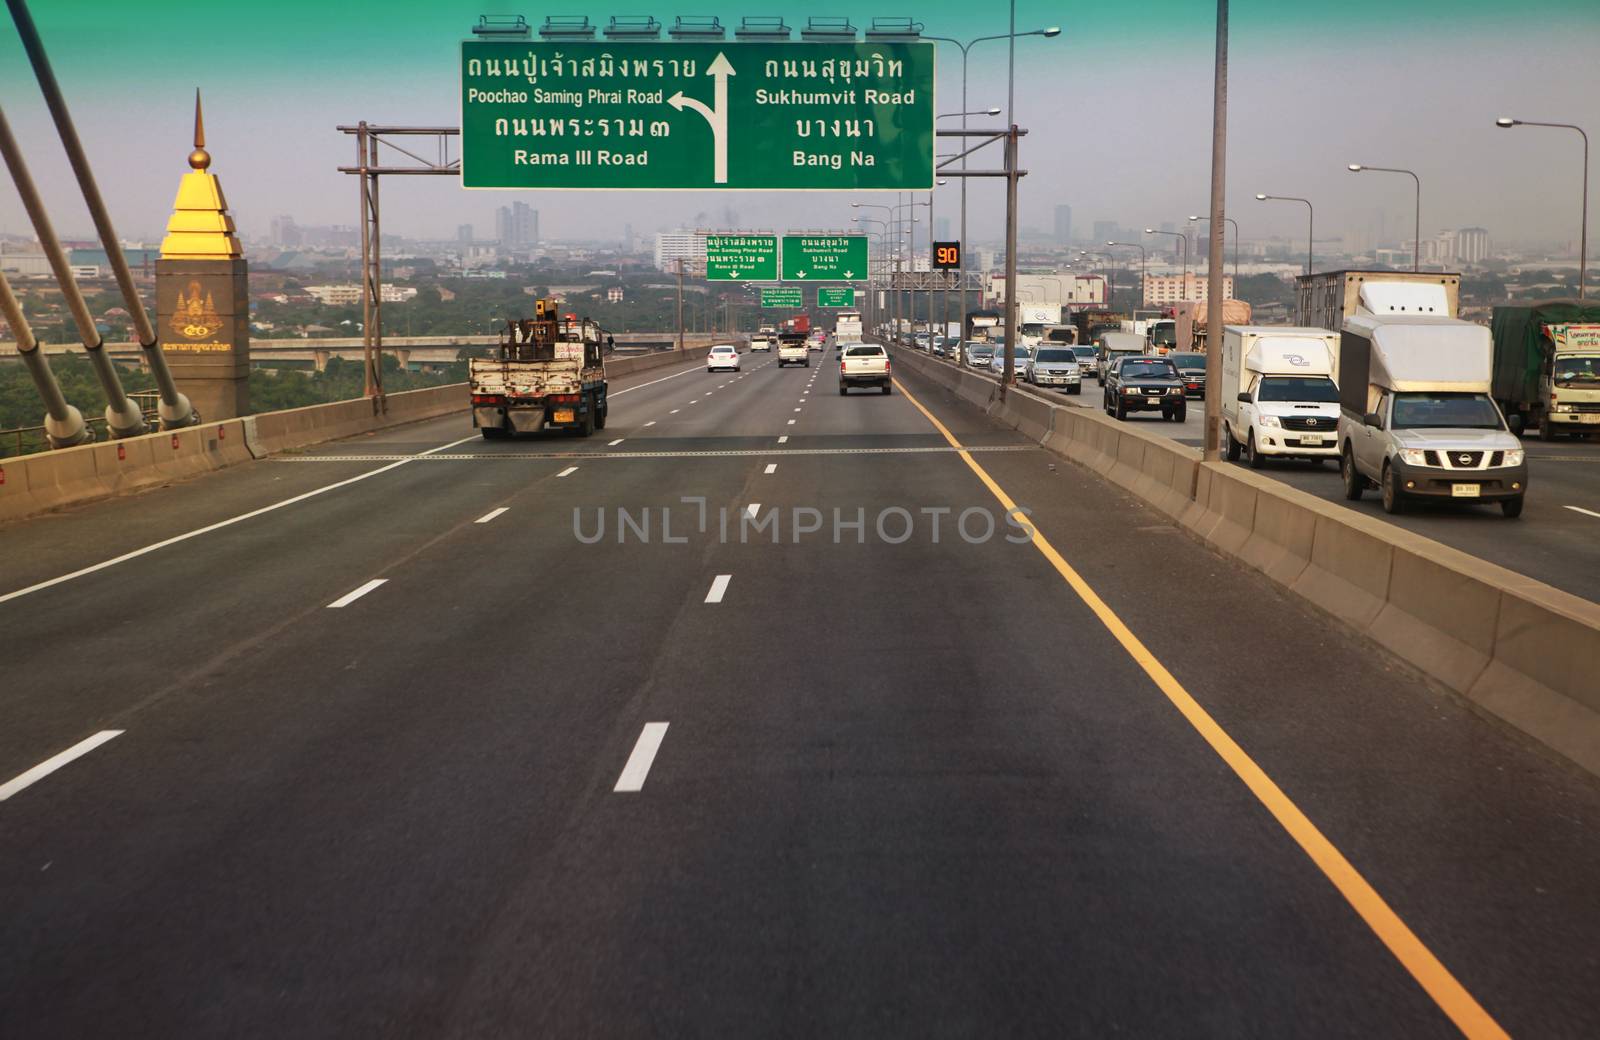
[1416,417]
[1279,398]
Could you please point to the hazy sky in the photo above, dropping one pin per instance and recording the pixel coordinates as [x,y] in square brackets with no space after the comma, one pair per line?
[1119,109]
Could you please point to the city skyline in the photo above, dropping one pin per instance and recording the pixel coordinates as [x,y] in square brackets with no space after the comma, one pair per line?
[278,158]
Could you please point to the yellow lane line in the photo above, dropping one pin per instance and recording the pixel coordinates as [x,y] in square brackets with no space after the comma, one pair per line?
[1435,979]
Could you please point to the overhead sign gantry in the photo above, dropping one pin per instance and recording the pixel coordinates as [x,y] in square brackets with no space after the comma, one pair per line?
[654,116]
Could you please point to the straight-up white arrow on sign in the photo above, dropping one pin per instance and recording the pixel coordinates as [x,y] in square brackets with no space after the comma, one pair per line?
[716,115]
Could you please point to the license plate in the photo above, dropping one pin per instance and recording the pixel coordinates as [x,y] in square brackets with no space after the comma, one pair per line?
[1464,490]
[1589,418]
[565,415]
[1311,442]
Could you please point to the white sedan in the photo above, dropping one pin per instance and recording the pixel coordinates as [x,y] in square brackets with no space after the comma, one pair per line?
[723,356]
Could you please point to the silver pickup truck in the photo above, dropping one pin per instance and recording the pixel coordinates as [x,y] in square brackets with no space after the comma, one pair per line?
[863,364]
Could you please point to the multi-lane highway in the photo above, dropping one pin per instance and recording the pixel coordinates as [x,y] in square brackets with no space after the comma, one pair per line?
[1553,541]
[390,738]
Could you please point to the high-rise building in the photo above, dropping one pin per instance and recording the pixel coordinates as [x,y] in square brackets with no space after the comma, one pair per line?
[517,225]
[688,246]
[1472,245]
[628,241]
[1063,225]
[284,232]
[1105,231]
[1174,288]
[464,233]
[941,228]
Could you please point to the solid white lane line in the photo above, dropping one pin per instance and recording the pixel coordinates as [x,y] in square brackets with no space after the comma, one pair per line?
[1585,512]
[616,442]
[695,401]
[752,509]
[719,585]
[197,532]
[652,422]
[350,597]
[784,439]
[490,515]
[675,411]
[25,780]
[772,467]
[644,753]
[568,471]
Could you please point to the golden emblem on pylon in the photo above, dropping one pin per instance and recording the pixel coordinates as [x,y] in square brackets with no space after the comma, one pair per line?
[194,318]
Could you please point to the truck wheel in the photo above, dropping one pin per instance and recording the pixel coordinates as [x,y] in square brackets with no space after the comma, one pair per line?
[1354,482]
[1180,413]
[1230,447]
[1122,411]
[1394,500]
[808,362]
[1252,456]
[600,416]
[586,428]
[493,433]
[1547,429]
[843,390]
[888,389]
[1511,508]
[1075,390]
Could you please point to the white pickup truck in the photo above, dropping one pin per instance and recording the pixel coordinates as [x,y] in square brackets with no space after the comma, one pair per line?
[792,349]
[863,364]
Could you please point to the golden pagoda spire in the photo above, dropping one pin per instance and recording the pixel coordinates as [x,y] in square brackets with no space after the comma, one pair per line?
[200,228]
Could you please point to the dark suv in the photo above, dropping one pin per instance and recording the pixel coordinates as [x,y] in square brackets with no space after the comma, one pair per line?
[1192,368]
[1144,384]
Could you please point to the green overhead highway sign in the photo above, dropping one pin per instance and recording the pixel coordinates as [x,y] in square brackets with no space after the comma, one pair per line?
[824,258]
[741,258]
[836,297]
[782,296]
[653,116]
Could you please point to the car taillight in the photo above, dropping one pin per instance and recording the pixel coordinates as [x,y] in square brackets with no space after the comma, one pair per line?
[486,399]
[563,398]
[885,366]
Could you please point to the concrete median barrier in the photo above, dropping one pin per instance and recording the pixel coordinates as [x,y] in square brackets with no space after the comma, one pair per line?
[1520,650]
[37,483]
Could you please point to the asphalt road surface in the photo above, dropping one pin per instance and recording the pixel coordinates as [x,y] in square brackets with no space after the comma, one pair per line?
[370,742]
[1554,540]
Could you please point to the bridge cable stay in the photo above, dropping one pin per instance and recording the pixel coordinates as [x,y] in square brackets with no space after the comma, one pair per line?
[123,417]
[175,409]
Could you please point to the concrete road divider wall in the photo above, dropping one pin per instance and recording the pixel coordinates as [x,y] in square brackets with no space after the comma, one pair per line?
[36,483]
[1518,648]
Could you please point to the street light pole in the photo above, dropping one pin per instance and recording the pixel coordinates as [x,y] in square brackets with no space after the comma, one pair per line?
[1416,239]
[1583,227]
[1184,240]
[1048,33]
[1235,224]
[1143,258]
[1311,218]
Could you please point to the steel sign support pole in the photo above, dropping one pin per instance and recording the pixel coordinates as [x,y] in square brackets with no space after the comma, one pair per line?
[1217,231]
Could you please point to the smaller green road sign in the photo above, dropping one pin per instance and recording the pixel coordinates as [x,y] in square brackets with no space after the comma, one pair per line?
[741,258]
[836,297]
[824,258]
[783,297]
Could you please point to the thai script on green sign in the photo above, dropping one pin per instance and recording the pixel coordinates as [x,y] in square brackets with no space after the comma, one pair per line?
[783,297]
[751,258]
[824,258]
[683,115]
[836,297]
